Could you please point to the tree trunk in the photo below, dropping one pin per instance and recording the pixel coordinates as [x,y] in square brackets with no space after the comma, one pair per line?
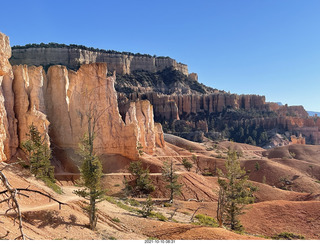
[92,212]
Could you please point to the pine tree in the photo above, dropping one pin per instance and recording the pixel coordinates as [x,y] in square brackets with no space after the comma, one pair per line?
[143,182]
[39,155]
[91,169]
[234,194]
[171,177]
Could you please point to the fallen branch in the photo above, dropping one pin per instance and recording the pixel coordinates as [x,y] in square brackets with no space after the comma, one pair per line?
[195,213]
[39,192]
[11,198]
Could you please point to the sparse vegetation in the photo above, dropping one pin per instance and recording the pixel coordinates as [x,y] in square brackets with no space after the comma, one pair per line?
[158,216]
[147,207]
[205,220]
[264,179]
[235,193]
[188,165]
[257,166]
[134,202]
[143,183]
[121,204]
[171,178]
[39,155]
[167,205]
[288,236]
[117,220]
[91,168]
[292,154]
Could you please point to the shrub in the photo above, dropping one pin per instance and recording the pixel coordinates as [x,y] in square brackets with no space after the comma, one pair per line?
[205,220]
[166,204]
[257,166]
[134,202]
[188,165]
[116,220]
[159,216]
[147,207]
[292,154]
[143,181]
[288,236]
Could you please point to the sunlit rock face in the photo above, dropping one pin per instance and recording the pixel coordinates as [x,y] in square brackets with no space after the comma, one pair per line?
[72,97]
[28,88]
[8,127]
[59,104]
[73,58]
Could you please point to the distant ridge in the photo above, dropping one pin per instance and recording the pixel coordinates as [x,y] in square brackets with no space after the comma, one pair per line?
[312,113]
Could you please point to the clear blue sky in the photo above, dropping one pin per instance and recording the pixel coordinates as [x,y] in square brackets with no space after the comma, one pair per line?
[266,47]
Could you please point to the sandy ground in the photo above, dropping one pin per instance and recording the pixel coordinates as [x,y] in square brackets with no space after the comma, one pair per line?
[295,208]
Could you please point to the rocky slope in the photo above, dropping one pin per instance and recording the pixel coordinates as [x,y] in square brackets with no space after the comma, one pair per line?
[59,104]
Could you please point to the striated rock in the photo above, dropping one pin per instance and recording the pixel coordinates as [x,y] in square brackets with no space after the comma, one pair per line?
[159,136]
[8,139]
[71,95]
[140,113]
[12,141]
[3,125]
[298,140]
[28,88]
[171,107]
[5,54]
[74,57]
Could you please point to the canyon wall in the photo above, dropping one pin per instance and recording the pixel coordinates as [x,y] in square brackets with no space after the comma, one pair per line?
[8,129]
[191,107]
[74,57]
[171,107]
[60,102]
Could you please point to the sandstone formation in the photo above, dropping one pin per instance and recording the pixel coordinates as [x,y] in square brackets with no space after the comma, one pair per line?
[298,140]
[59,104]
[72,97]
[170,107]
[189,106]
[7,125]
[28,88]
[74,57]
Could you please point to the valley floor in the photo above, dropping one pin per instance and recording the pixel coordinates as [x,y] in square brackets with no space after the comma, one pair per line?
[293,209]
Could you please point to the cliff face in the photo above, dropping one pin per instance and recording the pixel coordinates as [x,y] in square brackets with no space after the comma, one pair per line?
[74,57]
[7,125]
[61,101]
[197,110]
[73,97]
[171,107]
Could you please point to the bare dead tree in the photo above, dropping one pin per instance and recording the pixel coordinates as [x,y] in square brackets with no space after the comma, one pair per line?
[191,219]
[221,206]
[10,197]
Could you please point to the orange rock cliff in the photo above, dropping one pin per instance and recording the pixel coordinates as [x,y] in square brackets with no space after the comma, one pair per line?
[57,103]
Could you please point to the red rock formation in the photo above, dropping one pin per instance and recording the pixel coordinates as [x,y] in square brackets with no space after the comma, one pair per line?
[30,96]
[8,128]
[298,140]
[29,100]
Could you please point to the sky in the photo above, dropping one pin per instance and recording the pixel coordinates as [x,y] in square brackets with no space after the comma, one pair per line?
[265,47]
